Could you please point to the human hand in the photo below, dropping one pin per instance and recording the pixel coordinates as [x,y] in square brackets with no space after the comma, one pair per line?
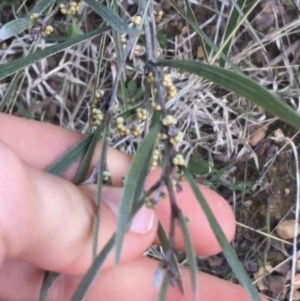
[46,223]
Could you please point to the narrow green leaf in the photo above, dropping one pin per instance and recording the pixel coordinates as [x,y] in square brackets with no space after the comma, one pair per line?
[101,168]
[198,166]
[10,90]
[12,86]
[220,172]
[85,164]
[134,184]
[74,29]
[244,186]
[93,271]
[197,28]
[112,19]
[164,288]
[130,112]
[296,6]
[228,252]
[190,254]
[232,22]
[48,279]
[165,242]
[70,157]
[132,87]
[19,64]
[249,26]
[41,6]
[241,85]
[193,21]
[14,28]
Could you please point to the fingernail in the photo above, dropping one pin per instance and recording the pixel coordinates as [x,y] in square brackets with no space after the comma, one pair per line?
[144,219]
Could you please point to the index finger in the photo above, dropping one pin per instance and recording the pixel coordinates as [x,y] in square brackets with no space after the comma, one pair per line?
[40,144]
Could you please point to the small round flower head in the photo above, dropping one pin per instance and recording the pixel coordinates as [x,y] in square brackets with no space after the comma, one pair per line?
[63,9]
[141,114]
[116,108]
[154,159]
[169,120]
[178,160]
[171,91]
[123,39]
[120,120]
[74,7]
[153,165]
[156,153]
[167,81]
[162,136]
[70,9]
[106,175]
[139,50]
[156,106]
[136,20]
[150,78]
[177,138]
[149,204]
[99,93]
[48,30]
[136,131]
[173,183]
[97,116]
[34,17]
[124,131]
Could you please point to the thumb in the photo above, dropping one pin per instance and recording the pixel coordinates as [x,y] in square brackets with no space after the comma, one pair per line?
[48,221]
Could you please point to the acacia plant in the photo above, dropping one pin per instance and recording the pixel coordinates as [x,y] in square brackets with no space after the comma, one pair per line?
[150,122]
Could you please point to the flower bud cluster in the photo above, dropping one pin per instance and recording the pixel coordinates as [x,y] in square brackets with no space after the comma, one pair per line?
[174,136]
[97,115]
[154,159]
[70,9]
[141,114]
[121,128]
[136,20]
[106,176]
[168,84]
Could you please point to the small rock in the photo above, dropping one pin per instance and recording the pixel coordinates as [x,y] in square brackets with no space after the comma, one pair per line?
[298,265]
[285,229]
[296,295]
[51,110]
[271,8]
[200,53]
[264,21]
[283,268]
[248,203]
[257,137]
[215,261]
[251,266]
[297,281]
[259,276]
[278,134]
[276,283]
